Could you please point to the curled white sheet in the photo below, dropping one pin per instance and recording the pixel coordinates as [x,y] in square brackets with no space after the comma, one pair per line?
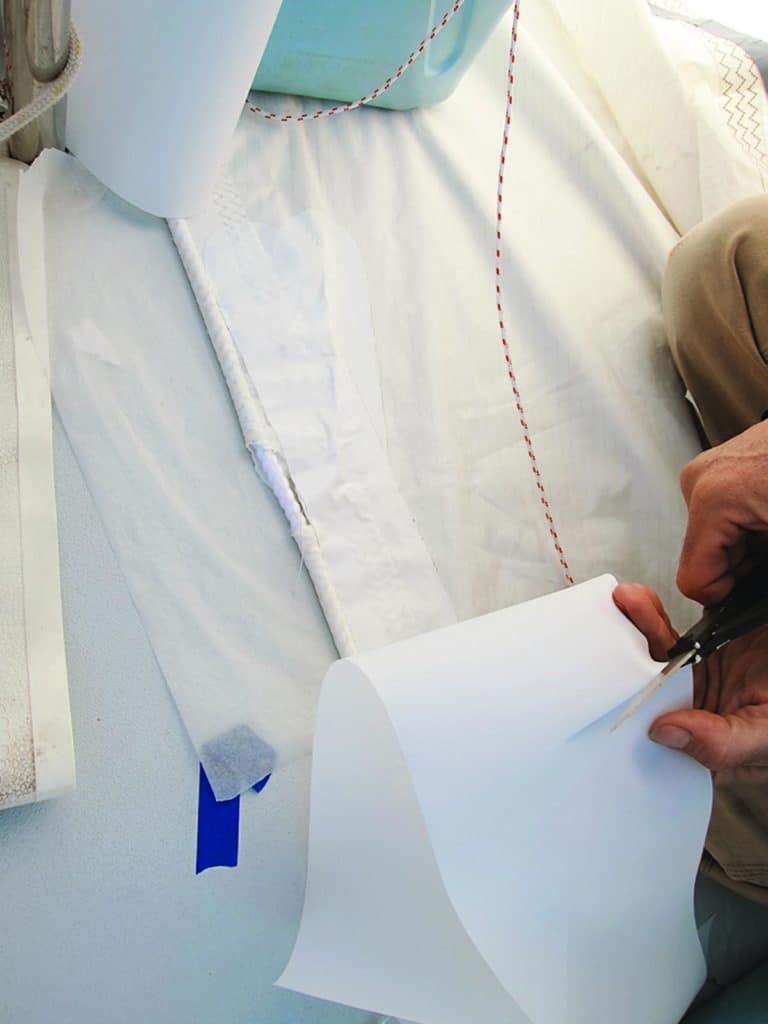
[178,74]
[483,848]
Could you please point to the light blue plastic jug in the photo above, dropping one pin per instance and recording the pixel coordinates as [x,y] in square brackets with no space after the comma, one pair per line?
[342,49]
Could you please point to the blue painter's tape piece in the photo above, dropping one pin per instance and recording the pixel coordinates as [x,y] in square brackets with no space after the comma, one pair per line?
[258,786]
[218,828]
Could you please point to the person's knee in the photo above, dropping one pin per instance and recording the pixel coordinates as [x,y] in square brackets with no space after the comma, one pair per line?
[712,272]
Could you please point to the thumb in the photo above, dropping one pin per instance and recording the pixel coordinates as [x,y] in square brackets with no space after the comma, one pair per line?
[716,741]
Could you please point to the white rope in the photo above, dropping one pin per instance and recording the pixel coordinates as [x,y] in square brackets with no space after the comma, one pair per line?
[229,358]
[277,477]
[50,94]
[268,461]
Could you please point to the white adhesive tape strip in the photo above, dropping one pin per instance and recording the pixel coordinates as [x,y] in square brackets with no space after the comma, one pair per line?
[285,298]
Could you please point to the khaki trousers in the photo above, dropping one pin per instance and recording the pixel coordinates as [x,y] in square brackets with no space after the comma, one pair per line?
[715,300]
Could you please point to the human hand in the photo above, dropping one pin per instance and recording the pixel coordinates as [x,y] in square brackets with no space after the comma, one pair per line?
[728,726]
[726,491]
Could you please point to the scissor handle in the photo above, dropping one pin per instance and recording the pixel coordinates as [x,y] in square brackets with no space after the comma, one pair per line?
[743,610]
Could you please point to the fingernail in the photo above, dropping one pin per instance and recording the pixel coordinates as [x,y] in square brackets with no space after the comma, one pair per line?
[670,736]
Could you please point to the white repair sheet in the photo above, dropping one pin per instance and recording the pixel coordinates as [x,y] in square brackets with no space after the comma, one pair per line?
[382,225]
[594,199]
[483,848]
[213,572]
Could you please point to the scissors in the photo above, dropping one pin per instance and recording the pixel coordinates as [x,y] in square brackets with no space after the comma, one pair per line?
[743,610]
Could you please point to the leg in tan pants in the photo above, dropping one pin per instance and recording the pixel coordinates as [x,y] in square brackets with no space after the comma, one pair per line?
[715,297]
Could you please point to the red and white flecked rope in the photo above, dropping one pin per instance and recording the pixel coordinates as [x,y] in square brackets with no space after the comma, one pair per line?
[375,93]
[533,461]
[388,83]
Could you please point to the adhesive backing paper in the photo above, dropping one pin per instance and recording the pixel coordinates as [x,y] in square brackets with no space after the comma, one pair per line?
[482,848]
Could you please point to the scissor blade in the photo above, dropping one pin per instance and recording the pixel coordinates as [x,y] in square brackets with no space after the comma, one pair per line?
[647,691]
